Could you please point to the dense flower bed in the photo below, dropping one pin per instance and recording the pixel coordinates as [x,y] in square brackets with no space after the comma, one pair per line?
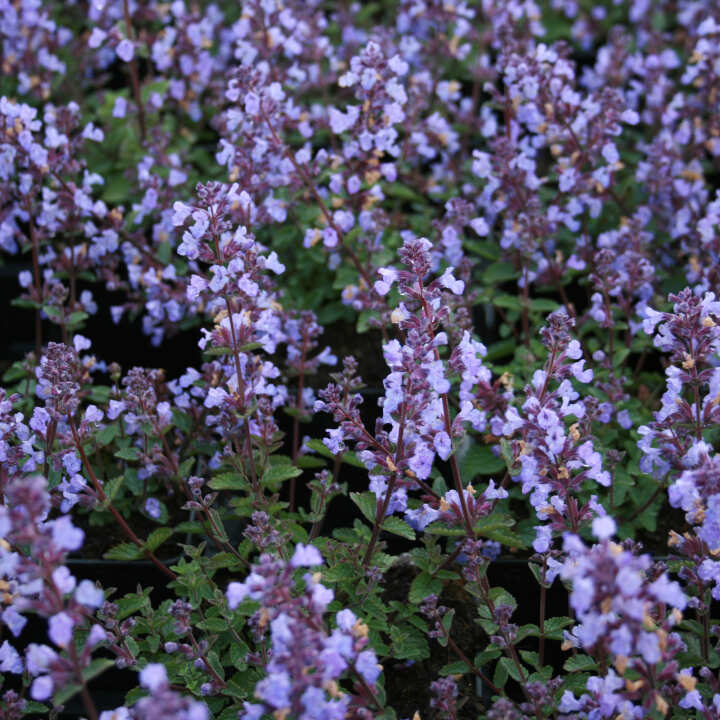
[504,215]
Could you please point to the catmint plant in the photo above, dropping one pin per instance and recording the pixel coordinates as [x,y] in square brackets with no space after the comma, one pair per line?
[382,339]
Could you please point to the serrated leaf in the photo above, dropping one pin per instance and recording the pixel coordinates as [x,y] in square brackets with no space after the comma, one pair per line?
[530,657]
[24,303]
[454,668]
[499,272]
[500,349]
[157,537]
[164,253]
[279,473]
[112,488]
[438,528]
[218,525]
[107,434]
[479,460]
[555,625]
[308,461]
[486,656]
[367,502]
[497,527]
[128,453]
[403,192]
[124,551]
[580,663]
[508,302]
[338,573]
[543,305]
[511,668]
[447,624]
[228,481]
[130,604]
[422,586]
[348,457]
[35,708]
[397,526]
[409,644]
[212,624]
[501,675]
[77,317]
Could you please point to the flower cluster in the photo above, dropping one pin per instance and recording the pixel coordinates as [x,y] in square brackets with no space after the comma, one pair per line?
[503,215]
[36,579]
[305,661]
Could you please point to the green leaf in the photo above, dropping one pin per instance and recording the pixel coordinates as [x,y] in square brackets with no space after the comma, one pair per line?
[164,253]
[500,349]
[485,248]
[129,453]
[447,624]
[124,551]
[530,657]
[132,481]
[438,528]
[497,527]
[181,420]
[159,86]
[580,663]
[479,460]
[35,708]
[228,481]
[509,302]
[543,305]
[454,668]
[499,272]
[510,668]
[484,657]
[397,526]
[130,604]
[347,457]
[308,461]
[422,586]
[367,502]
[501,675]
[555,625]
[107,434]
[219,525]
[401,191]
[409,644]
[339,573]
[112,488]
[212,625]
[77,317]
[157,537]
[24,303]
[279,473]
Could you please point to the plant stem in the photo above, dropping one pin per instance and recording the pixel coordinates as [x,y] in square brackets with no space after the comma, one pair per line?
[36,278]
[134,76]
[203,657]
[118,517]
[382,507]
[706,628]
[317,525]
[296,419]
[87,700]
[526,308]
[510,650]
[543,593]
[475,671]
